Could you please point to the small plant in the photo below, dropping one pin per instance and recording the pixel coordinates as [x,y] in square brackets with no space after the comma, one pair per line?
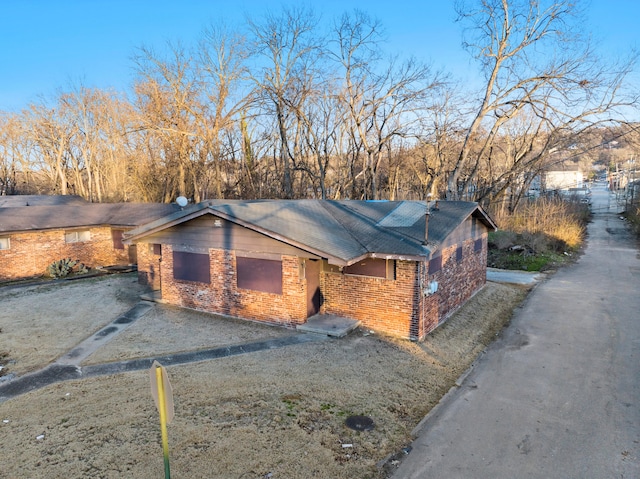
[65,267]
[4,360]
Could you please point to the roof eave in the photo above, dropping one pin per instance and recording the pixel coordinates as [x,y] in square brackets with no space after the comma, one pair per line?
[331,258]
[208,209]
[394,256]
[56,228]
[485,218]
[163,223]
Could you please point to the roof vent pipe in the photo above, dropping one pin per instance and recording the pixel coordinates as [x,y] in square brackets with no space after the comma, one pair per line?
[426,225]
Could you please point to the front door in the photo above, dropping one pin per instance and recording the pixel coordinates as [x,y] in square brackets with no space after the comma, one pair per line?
[314,297]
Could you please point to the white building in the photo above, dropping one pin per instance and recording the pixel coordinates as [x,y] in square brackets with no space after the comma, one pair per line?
[562,177]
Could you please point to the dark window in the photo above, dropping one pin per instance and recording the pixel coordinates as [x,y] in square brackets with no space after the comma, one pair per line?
[116,236]
[191,267]
[435,265]
[368,267]
[259,274]
[477,246]
[156,249]
[459,254]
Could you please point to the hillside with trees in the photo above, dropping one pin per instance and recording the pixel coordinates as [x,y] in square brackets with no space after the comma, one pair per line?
[284,108]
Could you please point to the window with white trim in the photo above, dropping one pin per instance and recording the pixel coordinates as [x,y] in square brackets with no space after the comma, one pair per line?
[78,236]
[5,243]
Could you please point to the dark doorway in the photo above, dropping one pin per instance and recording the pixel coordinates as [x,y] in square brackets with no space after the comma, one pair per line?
[314,297]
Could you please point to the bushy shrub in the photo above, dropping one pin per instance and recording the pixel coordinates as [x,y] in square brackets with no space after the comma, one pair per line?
[65,267]
[633,215]
[553,223]
[539,235]
[502,239]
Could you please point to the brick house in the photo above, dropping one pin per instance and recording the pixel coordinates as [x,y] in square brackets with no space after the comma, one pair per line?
[398,267]
[35,231]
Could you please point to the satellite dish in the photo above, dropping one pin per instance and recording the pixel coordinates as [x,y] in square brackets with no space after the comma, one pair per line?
[182,201]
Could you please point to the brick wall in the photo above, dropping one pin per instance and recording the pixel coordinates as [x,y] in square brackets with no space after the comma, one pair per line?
[223,296]
[457,280]
[393,306]
[399,307]
[386,305]
[31,253]
[148,265]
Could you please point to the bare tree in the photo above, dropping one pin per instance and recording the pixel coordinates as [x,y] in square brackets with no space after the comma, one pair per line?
[221,66]
[97,119]
[189,101]
[439,140]
[289,48]
[383,99]
[12,153]
[536,64]
[51,135]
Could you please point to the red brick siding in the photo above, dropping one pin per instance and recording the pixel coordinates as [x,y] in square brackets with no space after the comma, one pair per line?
[396,307]
[31,253]
[390,306]
[399,307]
[458,281]
[148,266]
[428,317]
[223,296]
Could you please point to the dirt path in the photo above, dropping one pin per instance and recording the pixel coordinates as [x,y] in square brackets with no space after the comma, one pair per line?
[275,413]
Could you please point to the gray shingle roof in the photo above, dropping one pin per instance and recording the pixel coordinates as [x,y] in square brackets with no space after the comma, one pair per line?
[32,218]
[341,230]
[12,201]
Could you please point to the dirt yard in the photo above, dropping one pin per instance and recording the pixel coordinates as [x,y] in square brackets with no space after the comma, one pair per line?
[278,413]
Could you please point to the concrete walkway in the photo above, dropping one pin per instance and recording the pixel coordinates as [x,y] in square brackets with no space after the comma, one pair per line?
[513,277]
[68,367]
[558,395]
[60,371]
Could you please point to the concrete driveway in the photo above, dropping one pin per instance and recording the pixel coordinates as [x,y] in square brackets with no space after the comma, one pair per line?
[558,396]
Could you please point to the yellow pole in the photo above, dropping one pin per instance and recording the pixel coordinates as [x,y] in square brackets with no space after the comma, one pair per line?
[163,422]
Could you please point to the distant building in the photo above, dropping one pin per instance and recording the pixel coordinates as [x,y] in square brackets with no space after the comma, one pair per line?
[37,230]
[562,177]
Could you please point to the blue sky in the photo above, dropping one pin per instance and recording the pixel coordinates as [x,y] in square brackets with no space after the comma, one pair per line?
[47,45]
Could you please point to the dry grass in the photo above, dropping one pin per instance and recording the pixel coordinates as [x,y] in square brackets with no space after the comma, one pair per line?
[633,215]
[276,413]
[41,323]
[547,221]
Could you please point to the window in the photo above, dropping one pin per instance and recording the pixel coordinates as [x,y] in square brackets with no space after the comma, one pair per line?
[5,243]
[477,245]
[259,274]
[459,254]
[435,265]
[191,267]
[116,236]
[77,236]
[373,267]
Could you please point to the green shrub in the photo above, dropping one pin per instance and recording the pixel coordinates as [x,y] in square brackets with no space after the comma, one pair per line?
[65,267]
